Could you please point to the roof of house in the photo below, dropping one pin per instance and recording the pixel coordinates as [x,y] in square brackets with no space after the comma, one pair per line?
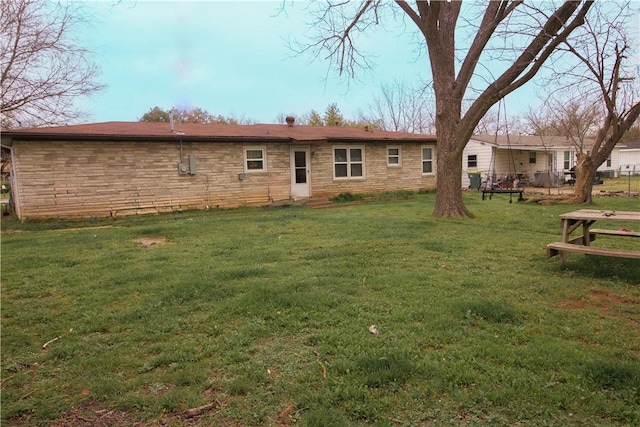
[158,131]
[527,141]
[631,145]
[533,142]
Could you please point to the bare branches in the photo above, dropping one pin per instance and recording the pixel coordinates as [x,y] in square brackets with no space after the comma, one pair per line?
[404,109]
[495,13]
[598,77]
[603,73]
[44,70]
[337,28]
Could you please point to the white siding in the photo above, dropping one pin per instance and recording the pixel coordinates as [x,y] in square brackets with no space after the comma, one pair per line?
[630,161]
[483,152]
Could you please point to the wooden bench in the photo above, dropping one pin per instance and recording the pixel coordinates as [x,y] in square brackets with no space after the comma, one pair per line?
[556,248]
[629,233]
[509,191]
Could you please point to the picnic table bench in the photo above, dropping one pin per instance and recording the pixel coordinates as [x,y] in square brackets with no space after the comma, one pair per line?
[584,219]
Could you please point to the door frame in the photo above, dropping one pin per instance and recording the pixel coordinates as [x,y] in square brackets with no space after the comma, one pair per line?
[298,189]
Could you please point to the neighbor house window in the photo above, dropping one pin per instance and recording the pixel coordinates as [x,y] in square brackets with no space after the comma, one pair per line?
[427,160]
[472,161]
[348,162]
[609,161]
[567,160]
[393,156]
[532,157]
[255,159]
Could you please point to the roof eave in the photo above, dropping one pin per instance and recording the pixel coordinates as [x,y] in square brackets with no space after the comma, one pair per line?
[143,138]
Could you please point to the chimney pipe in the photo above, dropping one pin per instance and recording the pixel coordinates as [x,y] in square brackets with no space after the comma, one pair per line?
[290,120]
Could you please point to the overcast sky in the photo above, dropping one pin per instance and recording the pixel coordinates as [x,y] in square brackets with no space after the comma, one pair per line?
[232,58]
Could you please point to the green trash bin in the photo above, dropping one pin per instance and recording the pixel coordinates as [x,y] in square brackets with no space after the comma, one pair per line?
[475,180]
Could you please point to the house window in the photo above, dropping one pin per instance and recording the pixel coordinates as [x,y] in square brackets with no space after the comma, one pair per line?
[472,161]
[609,161]
[427,160]
[567,160]
[532,157]
[393,156]
[348,162]
[255,159]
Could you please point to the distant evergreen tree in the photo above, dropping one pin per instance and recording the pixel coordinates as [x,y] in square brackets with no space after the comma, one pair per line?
[315,119]
[332,116]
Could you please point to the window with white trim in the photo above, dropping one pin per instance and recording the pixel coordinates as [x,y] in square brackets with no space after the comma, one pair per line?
[427,160]
[472,161]
[393,156]
[255,159]
[567,160]
[348,162]
[609,161]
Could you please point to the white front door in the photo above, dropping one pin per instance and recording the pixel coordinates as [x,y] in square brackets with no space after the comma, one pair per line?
[300,170]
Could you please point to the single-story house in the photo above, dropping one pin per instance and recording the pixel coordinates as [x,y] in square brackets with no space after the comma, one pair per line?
[120,168]
[630,157]
[531,160]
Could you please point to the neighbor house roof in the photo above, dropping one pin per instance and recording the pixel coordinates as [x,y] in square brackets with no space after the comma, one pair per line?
[630,145]
[527,142]
[211,132]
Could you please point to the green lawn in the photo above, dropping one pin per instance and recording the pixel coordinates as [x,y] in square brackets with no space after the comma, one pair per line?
[265,314]
[624,183]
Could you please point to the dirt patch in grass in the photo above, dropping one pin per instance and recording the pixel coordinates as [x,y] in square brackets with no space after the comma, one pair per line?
[93,413]
[608,302]
[147,242]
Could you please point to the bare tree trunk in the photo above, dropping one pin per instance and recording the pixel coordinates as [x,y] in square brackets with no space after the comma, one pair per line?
[585,175]
[449,201]
[451,142]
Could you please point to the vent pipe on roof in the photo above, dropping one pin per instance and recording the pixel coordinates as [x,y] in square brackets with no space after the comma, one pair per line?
[290,120]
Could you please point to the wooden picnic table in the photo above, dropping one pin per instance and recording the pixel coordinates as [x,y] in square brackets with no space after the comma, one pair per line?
[582,220]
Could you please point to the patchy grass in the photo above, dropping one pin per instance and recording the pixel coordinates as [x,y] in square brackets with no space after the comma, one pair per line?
[624,183]
[261,317]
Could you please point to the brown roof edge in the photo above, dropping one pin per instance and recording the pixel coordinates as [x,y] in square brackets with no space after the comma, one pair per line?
[39,136]
[146,131]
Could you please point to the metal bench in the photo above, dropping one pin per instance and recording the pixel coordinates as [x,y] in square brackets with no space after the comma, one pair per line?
[509,191]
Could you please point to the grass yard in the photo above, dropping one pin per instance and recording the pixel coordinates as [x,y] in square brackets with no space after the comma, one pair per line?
[263,317]
[624,184]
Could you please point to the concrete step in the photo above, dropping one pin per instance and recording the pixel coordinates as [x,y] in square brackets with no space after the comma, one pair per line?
[319,203]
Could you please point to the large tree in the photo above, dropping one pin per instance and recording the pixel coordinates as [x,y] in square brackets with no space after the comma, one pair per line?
[604,81]
[532,32]
[44,68]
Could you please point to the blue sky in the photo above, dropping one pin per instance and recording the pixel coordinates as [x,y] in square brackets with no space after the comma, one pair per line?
[227,57]
[232,58]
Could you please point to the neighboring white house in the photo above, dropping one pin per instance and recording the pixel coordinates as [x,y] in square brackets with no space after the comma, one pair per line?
[531,160]
[630,157]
